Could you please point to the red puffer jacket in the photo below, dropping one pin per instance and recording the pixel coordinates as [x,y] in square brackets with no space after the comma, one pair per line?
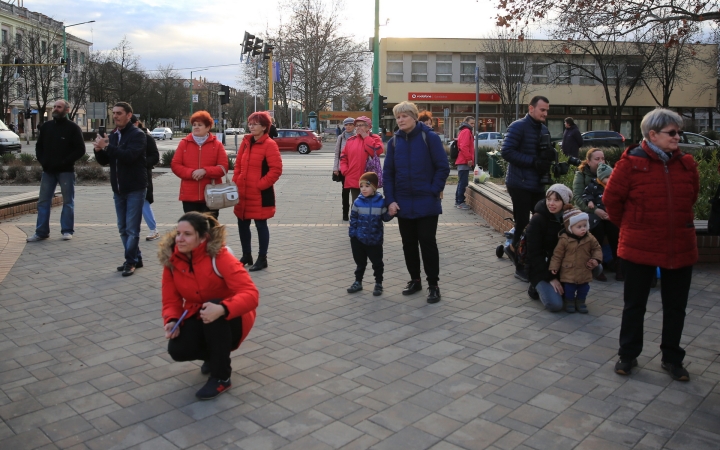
[652,203]
[257,168]
[190,157]
[354,156]
[187,284]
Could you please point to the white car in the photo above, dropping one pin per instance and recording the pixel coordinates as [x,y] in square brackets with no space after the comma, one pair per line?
[161,133]
[489,139]
[231,131]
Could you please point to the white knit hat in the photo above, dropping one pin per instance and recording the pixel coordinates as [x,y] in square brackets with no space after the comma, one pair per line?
[563,191]
[573,216]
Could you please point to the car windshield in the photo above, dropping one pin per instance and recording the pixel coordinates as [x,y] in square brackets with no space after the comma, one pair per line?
[3,127]
[159,130]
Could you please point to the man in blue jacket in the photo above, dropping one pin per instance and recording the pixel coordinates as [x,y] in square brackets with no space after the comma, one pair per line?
[520,149]
[124,151]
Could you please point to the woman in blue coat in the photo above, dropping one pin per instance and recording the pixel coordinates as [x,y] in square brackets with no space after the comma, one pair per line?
[416,168]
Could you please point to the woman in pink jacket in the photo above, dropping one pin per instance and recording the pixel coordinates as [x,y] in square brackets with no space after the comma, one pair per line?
[354,156]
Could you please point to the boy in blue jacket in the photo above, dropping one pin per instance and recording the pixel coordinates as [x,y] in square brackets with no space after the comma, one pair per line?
[366,232]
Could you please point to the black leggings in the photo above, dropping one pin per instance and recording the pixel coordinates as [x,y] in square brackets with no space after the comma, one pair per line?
[346,201]
[523,206]
[421,231]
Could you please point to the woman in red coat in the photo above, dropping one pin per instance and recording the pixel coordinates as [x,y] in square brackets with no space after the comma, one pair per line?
[204,281]
[257,168]
[199,158]
[354,156]
[650,197]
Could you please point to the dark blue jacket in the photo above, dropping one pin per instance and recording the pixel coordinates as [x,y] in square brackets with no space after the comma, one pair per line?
[519,148]
[127,159]
[367,217]
[415,172]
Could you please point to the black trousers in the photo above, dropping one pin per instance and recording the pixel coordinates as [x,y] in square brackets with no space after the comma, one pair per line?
[523,207]
[346,201]
[210,342]
[422,231]
[606,229]
[674,289]
[361,253]
[354,193]
[199,207]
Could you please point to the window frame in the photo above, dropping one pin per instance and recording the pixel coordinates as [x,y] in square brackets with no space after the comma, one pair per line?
[389,61]
[468,77]
[447,76]
[417,77]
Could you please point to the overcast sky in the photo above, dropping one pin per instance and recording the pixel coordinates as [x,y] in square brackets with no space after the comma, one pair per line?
[201,33]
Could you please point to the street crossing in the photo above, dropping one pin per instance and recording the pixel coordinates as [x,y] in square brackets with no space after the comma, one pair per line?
[297,164]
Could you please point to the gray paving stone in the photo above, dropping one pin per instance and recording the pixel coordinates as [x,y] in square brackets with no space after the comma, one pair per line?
[336,434]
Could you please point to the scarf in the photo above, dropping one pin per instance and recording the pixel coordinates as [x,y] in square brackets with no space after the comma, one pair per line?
[599,181]
[664,157]
[200,140]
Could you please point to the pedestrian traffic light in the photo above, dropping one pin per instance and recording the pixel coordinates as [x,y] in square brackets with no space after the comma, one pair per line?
[64,62]
[19,68]
[267,50]
[382,103]
[257,48]
[225,98]
[247,43]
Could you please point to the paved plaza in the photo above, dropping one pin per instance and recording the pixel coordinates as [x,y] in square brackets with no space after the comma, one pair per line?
[84,363]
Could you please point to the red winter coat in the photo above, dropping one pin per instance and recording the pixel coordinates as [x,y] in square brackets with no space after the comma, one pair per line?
[466,146]
[652,204]
[354,156]
[257,168]
[190,157]
[188,286]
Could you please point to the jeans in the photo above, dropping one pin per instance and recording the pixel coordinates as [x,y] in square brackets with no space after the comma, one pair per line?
[421,231]
[551,299]
[200,207]
[523,205]
[573,290]
[361,253]
[462,186]
[149,216]
[128,208]
[47,190]
[674,289]
[246,237]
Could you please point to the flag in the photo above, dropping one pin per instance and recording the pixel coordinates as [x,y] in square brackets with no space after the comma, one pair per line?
[276,71]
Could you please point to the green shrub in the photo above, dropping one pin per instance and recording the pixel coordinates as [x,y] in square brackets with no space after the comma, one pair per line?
[709,181]
[166,158]
[19,174]
[710,134]
[36,173]
[231,164]
[84,159]
[27,158]
[92,171]
[7,158]
[482,156]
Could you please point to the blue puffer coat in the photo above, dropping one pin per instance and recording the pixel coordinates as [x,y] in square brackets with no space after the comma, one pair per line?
[415,172]
[367,217]
[519,148]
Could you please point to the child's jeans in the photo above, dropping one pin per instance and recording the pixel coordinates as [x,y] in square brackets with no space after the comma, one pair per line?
[572,289]
[361,253]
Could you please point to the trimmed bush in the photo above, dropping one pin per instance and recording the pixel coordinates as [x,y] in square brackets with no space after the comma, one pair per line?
[7,158]
[166,158]
[92,171]
[709,181]
[19,174]
[27,158]
[36,173]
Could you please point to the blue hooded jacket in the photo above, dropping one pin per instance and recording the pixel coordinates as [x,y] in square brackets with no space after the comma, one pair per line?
[367,217]
[519,148]
[415,172]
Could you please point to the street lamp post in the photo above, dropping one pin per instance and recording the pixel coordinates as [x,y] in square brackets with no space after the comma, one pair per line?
[65,55]
[191,86]
[376,71]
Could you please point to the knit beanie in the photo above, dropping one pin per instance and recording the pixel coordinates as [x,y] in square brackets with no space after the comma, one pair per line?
[370,177]
[563,191]
[573,216]
[603,171]
[349,120]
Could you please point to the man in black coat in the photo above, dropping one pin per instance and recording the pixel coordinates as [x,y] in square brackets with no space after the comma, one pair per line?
[125,151]
[572,139]
[60,144]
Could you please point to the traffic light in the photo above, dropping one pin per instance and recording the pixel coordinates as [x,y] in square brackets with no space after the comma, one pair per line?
[225,99]
[267,50]
[64,62]
[19,68]
[257,48]
[382,103]
[247,43]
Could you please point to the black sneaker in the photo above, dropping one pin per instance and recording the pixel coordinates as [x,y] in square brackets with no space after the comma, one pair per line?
[356,287]
[510,253]
[521,274]
[137,266]
[433,294]
[213,388]
[412,287]
[205,368]
[676,371]
[378,289]
[533,293]
[624,366]
[129,270]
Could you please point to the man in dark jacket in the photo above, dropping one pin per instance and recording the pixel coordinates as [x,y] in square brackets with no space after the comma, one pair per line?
[572,139]
[125,151]
[520,149]
[60,144]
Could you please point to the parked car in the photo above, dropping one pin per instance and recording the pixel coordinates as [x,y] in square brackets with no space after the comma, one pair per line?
[241,130]
[301,140]
[489,139]
[9,141]
[693,141]
[603,138]
[232,131]
[162,133]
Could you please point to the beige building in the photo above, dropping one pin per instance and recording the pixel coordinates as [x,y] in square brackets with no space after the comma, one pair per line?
[439,75]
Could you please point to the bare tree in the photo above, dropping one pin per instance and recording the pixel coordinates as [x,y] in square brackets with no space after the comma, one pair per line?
[41,48]
[165,96]
[78,81]
[10,86]
[124,72]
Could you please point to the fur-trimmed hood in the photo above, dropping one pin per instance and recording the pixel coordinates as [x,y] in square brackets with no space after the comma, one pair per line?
[213,244]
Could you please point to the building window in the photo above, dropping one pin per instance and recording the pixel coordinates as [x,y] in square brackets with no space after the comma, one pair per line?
[492,69]
[632,68]
[464,109]
[394,67]
[578,111]
[516,69]
[563,73]
[56,92]
[43,47]
[467,68]
[4,37]
[55,50]
[20,90]
[443,68]
[419,67]
[539,73]
[75,57]
[18,41]
[586,74]
[82,57]
[612,74]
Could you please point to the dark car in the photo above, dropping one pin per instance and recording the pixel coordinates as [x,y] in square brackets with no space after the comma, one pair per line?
[692,141]
[603,139]
[301,140]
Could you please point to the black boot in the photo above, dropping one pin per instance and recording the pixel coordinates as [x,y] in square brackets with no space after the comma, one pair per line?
[260,263]
[246,260]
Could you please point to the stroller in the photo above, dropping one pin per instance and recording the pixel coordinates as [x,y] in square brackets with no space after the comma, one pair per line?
[504,249]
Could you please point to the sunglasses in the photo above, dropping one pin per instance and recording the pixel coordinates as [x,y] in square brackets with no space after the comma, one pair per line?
[672,133]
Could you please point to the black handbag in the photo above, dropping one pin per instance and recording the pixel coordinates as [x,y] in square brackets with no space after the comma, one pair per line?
[340,178]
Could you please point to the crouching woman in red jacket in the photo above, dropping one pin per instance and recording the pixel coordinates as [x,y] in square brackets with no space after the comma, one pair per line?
[201,277]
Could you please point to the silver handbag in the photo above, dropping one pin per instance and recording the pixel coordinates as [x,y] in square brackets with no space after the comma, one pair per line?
[223,195]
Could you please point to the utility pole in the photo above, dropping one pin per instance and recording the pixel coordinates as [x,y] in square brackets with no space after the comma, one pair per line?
[65,85]
[376,71]
[477,111]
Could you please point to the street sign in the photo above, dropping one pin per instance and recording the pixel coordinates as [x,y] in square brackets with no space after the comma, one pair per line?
[96,110]
[195,98]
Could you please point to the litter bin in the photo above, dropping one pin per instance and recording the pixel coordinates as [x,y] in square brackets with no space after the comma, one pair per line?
[493,167]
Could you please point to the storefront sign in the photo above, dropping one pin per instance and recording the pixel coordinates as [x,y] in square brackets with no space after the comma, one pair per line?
[451,96]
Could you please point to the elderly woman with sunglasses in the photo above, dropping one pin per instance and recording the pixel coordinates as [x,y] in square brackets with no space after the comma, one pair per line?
[650,197]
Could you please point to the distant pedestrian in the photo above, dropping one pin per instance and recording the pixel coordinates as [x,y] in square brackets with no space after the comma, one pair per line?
[60,145]
[572,139]
[12,127]
[354,156]
[338,131]
[426,118]
[125,151]
[349,124]
[464,161]
[273,132]
[366,232]
[152,157]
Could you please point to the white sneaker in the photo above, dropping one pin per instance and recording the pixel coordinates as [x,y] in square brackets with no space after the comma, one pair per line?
[35,238]
[152,236]
[67,236]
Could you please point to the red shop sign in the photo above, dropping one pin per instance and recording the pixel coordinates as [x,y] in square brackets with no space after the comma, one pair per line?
[451,96]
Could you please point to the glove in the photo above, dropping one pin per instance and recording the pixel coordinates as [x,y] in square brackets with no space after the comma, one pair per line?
[542,166]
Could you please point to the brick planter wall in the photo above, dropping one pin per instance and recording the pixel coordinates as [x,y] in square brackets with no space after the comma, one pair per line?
[25,208]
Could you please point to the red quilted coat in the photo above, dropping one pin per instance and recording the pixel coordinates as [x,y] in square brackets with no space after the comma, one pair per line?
[190,157]
[652,203]
[354,156]
[257,168]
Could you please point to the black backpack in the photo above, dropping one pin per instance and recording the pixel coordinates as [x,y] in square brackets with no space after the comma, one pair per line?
[454,150]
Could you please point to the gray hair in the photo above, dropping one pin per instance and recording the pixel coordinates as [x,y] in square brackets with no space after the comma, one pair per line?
[658,119]
[407,108]
[67,105]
